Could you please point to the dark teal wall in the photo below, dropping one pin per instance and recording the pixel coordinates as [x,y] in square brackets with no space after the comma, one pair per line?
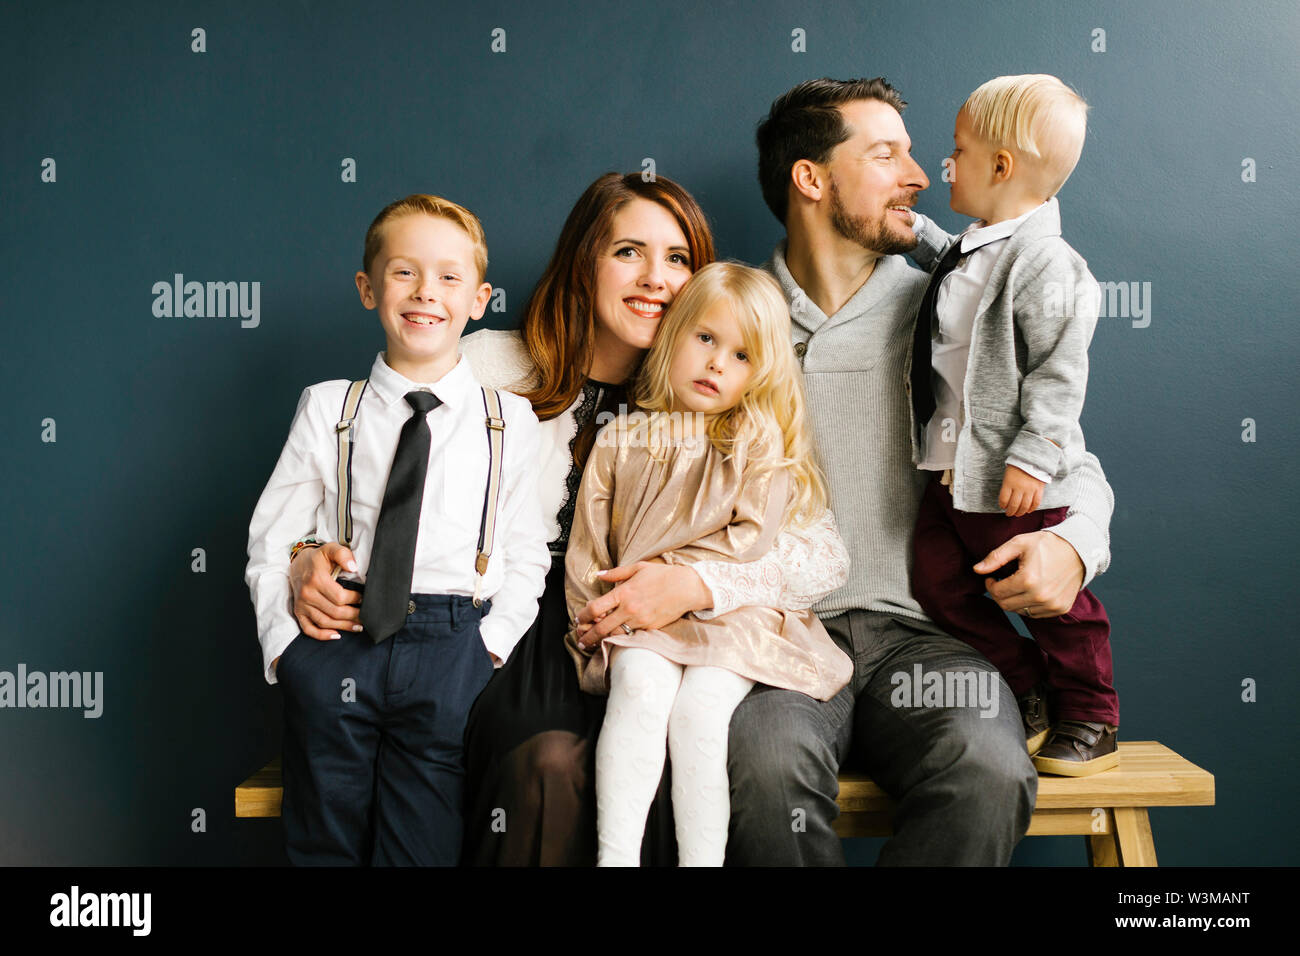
[225,165]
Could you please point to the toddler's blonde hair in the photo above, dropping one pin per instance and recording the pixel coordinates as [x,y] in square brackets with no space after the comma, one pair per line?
[772,408]
[1036,114]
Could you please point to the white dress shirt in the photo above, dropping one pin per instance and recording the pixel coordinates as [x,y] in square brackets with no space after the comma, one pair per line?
[303,494]
[958,299]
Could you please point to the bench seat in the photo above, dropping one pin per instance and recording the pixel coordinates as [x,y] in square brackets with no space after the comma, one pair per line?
[1108,809]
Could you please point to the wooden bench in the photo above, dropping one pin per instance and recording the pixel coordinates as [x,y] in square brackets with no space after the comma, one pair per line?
[1108,809]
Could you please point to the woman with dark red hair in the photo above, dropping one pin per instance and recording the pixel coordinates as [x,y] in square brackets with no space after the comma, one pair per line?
[626,249]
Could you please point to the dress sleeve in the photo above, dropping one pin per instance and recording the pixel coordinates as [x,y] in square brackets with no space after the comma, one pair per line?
[588,550]
[804,566]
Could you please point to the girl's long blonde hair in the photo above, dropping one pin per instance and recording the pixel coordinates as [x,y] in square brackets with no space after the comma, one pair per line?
[772,408]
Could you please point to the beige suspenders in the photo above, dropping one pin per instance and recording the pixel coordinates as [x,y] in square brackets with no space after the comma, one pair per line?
[344,432]
[487,526]
[496,426]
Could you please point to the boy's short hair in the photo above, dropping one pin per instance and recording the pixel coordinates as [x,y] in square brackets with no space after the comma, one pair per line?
[806,123]
[1035,113]
[434,206]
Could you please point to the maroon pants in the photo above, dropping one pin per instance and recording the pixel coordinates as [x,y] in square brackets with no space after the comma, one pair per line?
[1070,653]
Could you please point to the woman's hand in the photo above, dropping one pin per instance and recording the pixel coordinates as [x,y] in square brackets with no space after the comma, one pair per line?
[322,606]
[649,594]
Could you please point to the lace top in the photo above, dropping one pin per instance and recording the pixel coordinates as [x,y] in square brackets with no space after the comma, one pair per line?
[589,403]
[804,565]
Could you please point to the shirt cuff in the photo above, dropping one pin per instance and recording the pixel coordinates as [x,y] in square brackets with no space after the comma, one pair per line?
[704,570]
[275,643]
[1081,534]
[1044,452]
[496,641]
[1032,471]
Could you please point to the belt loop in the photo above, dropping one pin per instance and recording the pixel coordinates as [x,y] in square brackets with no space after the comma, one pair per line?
[453,606]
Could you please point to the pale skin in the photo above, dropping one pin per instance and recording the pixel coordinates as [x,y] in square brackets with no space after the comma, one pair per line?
[877,176]
[994,183]
[709,372]
[878,180]
[643,264]
[425,285]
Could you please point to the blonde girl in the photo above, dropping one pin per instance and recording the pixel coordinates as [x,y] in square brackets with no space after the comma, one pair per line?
[713,466]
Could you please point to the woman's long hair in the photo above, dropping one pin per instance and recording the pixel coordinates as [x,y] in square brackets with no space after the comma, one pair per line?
[772,408]
[559,326]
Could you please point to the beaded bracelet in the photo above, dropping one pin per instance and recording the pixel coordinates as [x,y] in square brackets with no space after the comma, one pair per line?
[309,541]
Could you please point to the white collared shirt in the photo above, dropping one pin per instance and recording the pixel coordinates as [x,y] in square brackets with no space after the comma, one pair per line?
[958,299]
[302,496]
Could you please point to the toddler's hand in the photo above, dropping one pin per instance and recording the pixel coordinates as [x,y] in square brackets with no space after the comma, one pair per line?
[1021,493]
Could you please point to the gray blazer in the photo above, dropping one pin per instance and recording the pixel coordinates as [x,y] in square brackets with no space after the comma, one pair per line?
[1028,366]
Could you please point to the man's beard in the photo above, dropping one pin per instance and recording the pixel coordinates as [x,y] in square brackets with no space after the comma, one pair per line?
[874,235]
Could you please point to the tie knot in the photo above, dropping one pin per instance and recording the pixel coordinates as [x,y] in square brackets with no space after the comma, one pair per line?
[423,402]
[953,254]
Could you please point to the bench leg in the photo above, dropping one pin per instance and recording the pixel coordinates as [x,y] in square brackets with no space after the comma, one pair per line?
[1133,833]
[1102,850]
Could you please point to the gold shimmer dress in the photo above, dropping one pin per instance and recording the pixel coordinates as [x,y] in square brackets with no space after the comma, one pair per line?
[686,503]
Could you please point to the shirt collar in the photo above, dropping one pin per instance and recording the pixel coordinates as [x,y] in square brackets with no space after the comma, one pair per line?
[453,389]
[802,309]
[880,286]
[975,237]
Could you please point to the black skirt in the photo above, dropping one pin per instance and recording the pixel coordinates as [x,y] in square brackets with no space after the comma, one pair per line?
[530,758]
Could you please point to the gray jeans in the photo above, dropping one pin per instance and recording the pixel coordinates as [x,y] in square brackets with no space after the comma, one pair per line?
[960,776]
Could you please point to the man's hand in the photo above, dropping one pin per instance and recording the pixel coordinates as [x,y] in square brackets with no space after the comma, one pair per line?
[650,594]
[1047,582]
[322,606]
[1021,492]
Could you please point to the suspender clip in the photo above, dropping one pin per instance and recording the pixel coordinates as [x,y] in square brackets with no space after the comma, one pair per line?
[496,424]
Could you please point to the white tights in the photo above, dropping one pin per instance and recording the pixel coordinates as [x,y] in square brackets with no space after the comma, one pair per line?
[651,698]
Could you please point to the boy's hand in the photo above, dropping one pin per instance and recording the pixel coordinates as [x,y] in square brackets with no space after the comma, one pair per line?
[648,594]
[1021,493]
[322,606]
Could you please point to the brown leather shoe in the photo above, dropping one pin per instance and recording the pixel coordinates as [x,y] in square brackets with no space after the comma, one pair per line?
[1033,714]
[1078,748]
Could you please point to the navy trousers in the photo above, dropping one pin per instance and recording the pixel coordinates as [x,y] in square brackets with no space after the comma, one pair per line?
[374,738]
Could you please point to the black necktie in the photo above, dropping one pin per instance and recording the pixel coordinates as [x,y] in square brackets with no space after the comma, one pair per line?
[922,387]
[392,559]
